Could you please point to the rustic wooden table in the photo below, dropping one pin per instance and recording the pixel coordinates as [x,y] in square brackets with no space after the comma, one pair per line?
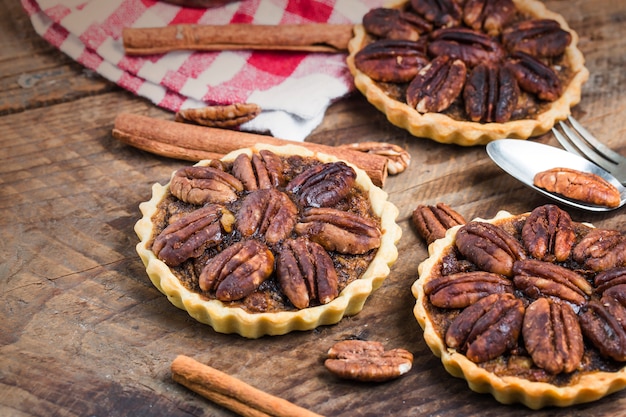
[84,333]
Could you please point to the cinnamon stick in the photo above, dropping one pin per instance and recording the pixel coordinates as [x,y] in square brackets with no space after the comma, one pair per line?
[193,143]
[231,392]
[313,37]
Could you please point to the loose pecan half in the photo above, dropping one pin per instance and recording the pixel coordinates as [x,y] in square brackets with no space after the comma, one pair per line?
[553,336]
[268,213]
[395,24]
[440,12]
[204,184]
[367,361]
[544,279]
[398,157]
[237,271]
[323,185]
[465,288]
[262,170]
[488,15]
[227,116]
[437,85]
[432,222]
[306,272]
[534,76]
[579,185]
[488,328]
[338,230]
[537,37]
[470,46]
[394,61]
[489,247]
[602,322]
[548,233]
[490,94]
[601,249]
[190,235]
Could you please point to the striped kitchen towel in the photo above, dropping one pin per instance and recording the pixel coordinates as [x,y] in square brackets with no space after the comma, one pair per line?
[294,89]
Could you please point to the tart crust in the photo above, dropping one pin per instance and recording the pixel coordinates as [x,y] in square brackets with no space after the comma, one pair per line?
[505,389]
[442,128]
[229,319]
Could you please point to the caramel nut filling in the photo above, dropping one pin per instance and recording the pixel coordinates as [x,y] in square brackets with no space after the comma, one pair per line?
[266,233]
[523,68]
[558,287]
[520,59]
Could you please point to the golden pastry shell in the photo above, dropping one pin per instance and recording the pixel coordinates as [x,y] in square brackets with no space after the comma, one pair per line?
[225,319]
[507,389]
[442,128]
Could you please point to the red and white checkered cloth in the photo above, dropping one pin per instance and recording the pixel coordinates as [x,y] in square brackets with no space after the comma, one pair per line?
[294,89]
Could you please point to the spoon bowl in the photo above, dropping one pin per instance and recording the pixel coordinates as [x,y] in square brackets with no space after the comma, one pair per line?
[523,159]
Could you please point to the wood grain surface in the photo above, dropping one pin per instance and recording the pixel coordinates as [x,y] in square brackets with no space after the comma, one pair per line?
[84,333]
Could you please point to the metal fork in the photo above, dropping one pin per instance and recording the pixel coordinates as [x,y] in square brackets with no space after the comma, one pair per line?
[576,139]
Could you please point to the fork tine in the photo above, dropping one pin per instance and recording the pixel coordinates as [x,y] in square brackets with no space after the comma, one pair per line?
[564,142]
[604,150]
[585,150]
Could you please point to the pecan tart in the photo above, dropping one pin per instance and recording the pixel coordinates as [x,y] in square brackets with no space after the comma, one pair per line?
[468,72]
[530,308]
[268,240]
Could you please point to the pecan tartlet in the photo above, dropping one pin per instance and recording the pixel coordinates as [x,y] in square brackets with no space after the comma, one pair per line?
[468,72]
[268,240]
[530,308]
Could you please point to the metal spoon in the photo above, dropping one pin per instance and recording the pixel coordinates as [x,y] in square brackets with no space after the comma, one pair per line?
[523,159]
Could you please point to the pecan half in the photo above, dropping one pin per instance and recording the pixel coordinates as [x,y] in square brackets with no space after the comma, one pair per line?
[227,116]
[553,336]
[601,249]
[489,247]
[488,15]
[394,61]
[537,37]
[490,94]
[323,185]
[204,184]
[440,12]
[437,85]
[191,234]
[268,213]
[602,322]
[465,288]
[398,158]
[540,279]
[395,24]
[432,222]
[470,46]
[338,230]
[262,170]
[487,328]
[579,185]
[612,278]
[367,361]
[306,272]
[548,233]
[237,271]
[534,76]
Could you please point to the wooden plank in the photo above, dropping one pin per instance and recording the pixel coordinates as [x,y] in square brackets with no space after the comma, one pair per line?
[84,332]
[34,73]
